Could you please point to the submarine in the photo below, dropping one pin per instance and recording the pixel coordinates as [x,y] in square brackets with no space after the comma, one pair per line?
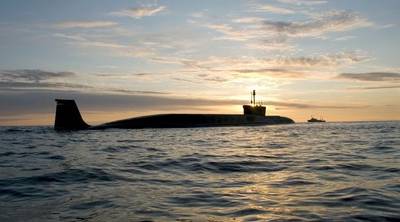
[68,117]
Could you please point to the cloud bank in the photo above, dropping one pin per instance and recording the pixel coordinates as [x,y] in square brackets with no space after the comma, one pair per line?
[39,80]
[371,76]
[335,21]
[281,67]
[33,75]
[279,35]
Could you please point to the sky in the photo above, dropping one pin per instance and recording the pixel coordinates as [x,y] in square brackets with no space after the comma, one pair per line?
[333,59]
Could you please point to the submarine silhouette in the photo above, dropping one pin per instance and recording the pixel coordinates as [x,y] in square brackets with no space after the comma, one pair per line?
[68,117]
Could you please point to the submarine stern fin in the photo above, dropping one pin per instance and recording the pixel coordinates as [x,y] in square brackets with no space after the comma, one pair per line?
[68,116]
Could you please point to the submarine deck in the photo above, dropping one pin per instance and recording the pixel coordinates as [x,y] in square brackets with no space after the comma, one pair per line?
[193,120]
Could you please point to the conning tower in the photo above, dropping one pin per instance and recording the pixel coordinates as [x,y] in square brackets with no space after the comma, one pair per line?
[254,108]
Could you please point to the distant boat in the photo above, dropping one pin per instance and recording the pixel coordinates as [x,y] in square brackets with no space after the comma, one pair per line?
[314,120]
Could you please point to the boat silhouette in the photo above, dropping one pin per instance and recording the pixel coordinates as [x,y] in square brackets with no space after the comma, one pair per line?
[314,120]
[68,117]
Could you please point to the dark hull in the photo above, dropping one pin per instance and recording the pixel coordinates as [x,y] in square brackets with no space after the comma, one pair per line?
[194,120]
[316,121]
[68,117]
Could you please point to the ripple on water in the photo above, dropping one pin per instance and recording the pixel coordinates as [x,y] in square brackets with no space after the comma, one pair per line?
[68,176]
[154,213]
[201,198]
[117,149]
[241,212]
[242,166]
[56,157]
[27,192]
[7,154]
[92,204]
[293,181]
[192,164]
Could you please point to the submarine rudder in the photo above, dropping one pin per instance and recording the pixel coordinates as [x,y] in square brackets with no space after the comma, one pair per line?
[68,116]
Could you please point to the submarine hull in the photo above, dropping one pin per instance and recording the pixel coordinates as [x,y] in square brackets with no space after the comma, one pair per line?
[193,120]
[68,117]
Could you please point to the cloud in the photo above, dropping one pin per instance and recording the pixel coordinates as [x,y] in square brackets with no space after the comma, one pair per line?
[85,24]
[272,72]
[270,35]
[280,67]
[32,75]
[345,38]
[39,80]
[69,37]
[11,86]
[312,106]
[100,44]
[116,48]
[184,80]
[248,20]
[387,26]
[233,33]
[371,76]
[139,12]
[217,79]
[273,9]
[11,80]
[376,87]
[271,46]
[131,44]
[124,75]
[303,2]
[85,42]
[335,21]
[17,86]
[64,87]
[198,14]
[228,69]
[321,61]
[135,92]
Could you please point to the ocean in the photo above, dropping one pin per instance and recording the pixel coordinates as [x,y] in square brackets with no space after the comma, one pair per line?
[299,172]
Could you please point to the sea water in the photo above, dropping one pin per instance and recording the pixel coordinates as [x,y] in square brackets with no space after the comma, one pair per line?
[300,172]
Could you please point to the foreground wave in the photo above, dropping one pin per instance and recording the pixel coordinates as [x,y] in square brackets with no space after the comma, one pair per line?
[302,172]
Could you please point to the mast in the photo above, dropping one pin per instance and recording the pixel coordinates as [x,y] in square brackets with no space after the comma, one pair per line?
[254,97]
